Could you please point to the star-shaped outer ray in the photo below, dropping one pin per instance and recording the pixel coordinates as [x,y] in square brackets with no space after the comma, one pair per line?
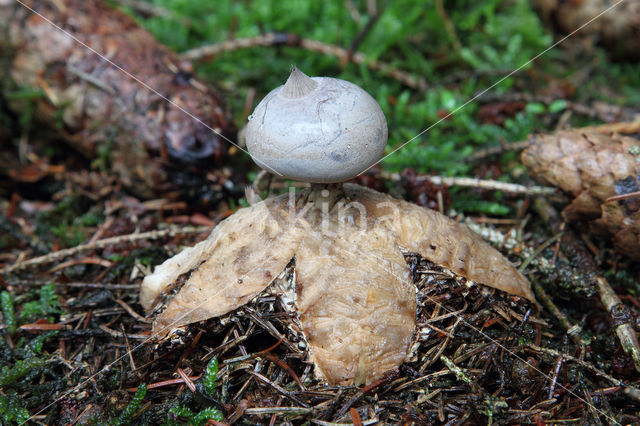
[353,296]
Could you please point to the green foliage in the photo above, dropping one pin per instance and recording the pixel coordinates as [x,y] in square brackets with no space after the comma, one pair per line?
[210,379]
[46,306]
[20,369]
[481,206]
[20,364]
[68,220]
[494,39]
[35,345]
[209,384]
[103,158]
[406,35]
[11,410]
[192,418]
[148,256]
[26,96]
[8,312]
[557,106]
[126,415]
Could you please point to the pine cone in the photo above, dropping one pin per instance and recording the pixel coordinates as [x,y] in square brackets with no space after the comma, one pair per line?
[593,167]
[618,28]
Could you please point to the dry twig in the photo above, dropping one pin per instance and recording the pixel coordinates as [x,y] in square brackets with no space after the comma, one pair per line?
[57,255]
[621,318]
[493,185]
[572,330]
[293,40]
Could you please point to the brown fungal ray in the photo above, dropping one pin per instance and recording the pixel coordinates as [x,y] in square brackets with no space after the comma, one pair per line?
[356,304]
[243,254]
[443,241]
[353,297]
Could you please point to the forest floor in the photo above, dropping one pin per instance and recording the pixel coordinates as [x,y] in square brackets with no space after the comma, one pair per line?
[75,345]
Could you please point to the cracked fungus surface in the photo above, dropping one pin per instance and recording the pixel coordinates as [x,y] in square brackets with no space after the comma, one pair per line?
[354,299]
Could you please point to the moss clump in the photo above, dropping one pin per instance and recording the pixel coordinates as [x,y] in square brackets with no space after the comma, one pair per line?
[46,306]
[192,418]
[8,312]
[11,411]
[210,379]
[126,415]
[20,369]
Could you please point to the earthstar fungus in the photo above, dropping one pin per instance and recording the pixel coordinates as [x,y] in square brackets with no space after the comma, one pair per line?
[352,298]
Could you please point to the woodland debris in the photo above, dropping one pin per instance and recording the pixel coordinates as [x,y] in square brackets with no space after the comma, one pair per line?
[594,168]
[99,103]
[621,318]
[467,182]
[632,391]
[572,330]
[61,254]
[620,315]
[208,52]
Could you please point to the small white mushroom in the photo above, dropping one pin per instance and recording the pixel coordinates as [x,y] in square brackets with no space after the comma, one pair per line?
[318,130]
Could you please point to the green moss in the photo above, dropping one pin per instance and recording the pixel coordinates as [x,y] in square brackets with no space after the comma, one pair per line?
[68,221]
[8,312]
[207,385]
[12,411]
[35,345]
[210,379]
[126,415]
[192,418]
[9,375]
[480,206]
[46,306]
[407,35]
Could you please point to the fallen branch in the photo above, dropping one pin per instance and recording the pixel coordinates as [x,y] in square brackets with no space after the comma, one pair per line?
[493,185]
[621,317]
[495,150]
[61,254]
[208,52]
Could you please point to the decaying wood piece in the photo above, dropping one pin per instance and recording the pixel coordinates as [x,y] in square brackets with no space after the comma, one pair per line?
[618,29]
[352,296]
[94,105]
[598,170]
